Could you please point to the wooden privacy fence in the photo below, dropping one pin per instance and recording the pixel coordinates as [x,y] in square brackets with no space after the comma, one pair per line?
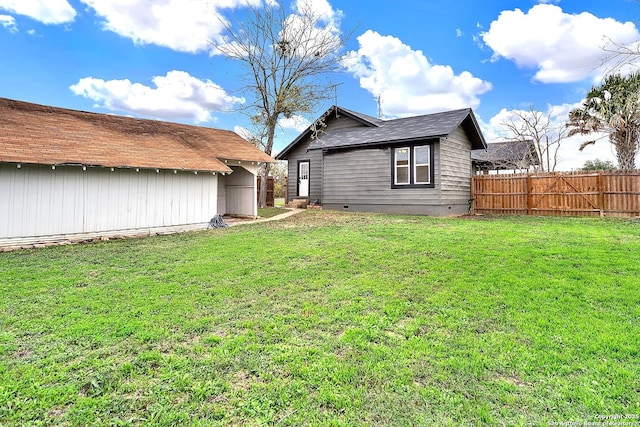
[270,186]
[271,190]
[612,193]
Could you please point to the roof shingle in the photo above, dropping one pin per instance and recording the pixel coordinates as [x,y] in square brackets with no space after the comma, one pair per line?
[32,133]
[404,129]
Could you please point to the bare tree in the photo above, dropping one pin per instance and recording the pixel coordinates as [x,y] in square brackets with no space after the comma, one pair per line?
[286,58]
[279,173]
[540,128]
[619,56]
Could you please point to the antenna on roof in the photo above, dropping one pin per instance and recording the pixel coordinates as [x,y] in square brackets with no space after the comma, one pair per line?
[335,95]
[380,115]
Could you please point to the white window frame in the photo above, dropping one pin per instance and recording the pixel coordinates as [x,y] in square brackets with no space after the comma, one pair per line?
[396,166]
[416,164]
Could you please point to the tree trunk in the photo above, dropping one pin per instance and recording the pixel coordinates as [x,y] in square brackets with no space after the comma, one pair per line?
[263,176]
[626,160]
[264,171]
[626,150]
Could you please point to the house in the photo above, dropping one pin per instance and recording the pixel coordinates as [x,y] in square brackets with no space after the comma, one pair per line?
[66,173]
[516,156]
[414,165]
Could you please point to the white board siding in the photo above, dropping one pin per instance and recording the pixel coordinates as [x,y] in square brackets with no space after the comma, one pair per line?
[240,192]
[38,201]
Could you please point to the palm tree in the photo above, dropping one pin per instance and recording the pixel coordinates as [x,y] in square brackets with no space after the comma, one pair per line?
[612,108]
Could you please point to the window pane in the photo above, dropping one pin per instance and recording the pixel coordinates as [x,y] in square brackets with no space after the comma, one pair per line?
[402,156]
[422,155]
[422,175]
[402,175]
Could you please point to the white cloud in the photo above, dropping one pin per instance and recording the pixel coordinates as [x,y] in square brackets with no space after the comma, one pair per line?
[569,155]
[562,47]
[245,133]
[320,8]
[313,27]
[405,80]
[45,11]
[297,123]
[9,23]
[177,95]
[181,25]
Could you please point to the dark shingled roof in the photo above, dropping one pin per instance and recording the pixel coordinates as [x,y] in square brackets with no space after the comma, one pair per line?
[381,132]
[520,153]
[32,133]
[397,130]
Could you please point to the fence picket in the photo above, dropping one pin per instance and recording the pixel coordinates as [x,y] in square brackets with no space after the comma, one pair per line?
[559,193]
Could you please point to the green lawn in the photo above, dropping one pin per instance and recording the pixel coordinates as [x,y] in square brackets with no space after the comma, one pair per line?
[271,212]
[328,319]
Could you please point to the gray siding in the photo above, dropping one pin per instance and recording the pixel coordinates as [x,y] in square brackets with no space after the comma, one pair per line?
[361,180]
[342,122]
[316,161]
[455,168]
[315,171]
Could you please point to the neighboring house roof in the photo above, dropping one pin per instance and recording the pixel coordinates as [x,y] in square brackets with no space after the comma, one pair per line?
[377,131]
[506,155]
[32,133]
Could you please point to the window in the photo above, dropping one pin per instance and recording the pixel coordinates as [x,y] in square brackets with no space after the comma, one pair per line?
[421,169]
[412,166]
[402,166]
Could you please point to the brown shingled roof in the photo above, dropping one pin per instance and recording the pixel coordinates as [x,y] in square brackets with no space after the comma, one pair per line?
[32,133]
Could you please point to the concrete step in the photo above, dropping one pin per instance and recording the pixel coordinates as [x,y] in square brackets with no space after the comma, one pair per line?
[298,204]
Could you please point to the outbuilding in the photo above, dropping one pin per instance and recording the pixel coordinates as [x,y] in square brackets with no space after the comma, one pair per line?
[66,173]
[506,156]
[415,165]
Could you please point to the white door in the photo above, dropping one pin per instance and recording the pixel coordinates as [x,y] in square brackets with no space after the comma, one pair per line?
[303,179]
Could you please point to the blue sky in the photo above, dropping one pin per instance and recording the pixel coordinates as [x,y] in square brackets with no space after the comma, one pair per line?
[153,58]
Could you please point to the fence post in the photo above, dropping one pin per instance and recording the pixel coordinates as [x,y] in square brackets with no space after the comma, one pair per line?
[529,195]
[472,202]
[601,193]
[286,190]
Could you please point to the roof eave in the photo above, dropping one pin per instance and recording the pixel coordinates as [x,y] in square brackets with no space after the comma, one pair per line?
[380,143]
[482,142]
[55,164]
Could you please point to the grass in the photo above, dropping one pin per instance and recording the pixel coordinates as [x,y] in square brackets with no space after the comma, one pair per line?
[270,212]
[328,319]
